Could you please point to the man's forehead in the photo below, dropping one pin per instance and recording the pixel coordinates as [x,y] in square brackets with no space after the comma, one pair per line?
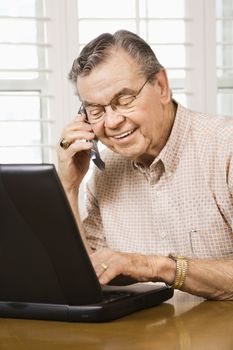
[118,64]
[108,78]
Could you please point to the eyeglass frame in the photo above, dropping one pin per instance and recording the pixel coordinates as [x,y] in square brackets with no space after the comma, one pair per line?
[113,106]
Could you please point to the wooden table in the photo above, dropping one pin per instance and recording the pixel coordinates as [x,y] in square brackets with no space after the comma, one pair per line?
[184,322]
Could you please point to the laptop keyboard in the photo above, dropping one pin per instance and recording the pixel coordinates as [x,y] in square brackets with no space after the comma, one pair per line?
[109,297]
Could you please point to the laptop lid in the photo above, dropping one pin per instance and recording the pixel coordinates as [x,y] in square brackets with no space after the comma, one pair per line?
[45,269]
[42,253]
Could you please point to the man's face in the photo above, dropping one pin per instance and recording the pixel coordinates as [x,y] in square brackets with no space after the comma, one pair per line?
[140,133]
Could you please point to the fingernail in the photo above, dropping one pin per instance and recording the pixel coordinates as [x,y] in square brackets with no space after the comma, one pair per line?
[102,281]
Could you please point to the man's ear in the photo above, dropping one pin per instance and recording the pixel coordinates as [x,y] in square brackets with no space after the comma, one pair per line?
[164,89]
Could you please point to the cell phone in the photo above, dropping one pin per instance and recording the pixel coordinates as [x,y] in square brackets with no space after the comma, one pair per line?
[94,152]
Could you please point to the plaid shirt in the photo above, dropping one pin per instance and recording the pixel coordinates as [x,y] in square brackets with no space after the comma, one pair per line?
[182,203]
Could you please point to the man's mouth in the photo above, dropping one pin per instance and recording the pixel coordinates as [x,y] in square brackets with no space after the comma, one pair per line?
[125,134]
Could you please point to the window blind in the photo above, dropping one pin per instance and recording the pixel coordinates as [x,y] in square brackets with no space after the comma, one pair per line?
[224,56]
[25,121]
[162,24]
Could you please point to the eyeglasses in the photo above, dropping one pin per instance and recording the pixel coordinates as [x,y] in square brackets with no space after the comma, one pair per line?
[123,104]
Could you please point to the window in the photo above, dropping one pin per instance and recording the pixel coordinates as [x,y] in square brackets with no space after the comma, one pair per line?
[224,54]
[39,39]
[192,39]
[24,99]
[151,20]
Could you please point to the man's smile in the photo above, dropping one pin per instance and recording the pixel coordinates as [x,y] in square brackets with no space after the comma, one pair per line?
[124,134]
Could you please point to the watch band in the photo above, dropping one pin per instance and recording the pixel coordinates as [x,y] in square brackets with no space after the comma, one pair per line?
[181,270]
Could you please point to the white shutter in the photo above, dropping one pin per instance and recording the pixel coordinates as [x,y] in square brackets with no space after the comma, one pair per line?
[39,39]
[224,54]
[25,122]
[161,24]
[193,39]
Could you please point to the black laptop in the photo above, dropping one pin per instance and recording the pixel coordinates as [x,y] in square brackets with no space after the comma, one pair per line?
[45,271]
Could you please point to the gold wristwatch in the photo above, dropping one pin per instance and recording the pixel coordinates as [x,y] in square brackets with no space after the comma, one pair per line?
[181,270]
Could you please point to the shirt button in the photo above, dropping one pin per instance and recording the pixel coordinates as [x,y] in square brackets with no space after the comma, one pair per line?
[163,235]
[193,231]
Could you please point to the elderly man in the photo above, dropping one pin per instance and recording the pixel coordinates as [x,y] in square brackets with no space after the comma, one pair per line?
[162,210]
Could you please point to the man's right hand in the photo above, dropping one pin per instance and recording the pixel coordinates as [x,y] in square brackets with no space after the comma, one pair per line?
[73,162]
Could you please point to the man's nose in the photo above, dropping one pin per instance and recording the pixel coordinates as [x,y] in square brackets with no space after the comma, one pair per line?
[112,117]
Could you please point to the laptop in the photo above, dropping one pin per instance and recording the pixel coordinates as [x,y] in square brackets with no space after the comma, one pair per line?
[45,271]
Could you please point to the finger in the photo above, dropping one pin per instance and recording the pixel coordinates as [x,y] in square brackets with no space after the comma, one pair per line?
[75,148]
[101,256]
[100,260]
[74,136]
[99,270]
[80,117]
[79,132]
[78,146]
[110,273]
[79,123]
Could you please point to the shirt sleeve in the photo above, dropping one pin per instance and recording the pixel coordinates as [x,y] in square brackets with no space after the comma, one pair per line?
[230,177]
[230,186]
[230,181]
[92,222]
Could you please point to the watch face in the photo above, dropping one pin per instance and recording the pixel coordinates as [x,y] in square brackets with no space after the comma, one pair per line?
[172,256]
[176,257]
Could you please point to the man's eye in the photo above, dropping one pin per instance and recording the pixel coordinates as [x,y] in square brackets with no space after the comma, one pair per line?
[95,112]
[125,100]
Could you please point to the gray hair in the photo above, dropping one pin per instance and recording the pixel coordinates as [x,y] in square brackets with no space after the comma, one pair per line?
[100,48]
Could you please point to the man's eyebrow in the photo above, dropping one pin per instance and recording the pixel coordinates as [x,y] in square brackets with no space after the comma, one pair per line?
[90,104]
[124,91]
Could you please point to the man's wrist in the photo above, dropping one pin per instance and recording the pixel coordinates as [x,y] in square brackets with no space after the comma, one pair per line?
[166,270]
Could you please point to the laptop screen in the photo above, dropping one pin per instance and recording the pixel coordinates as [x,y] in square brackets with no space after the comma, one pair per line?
[42,253]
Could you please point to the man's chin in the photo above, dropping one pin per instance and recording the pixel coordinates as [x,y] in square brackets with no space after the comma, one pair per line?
[133,156]
[130,153]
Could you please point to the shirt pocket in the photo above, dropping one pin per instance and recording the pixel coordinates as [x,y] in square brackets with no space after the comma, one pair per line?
[212,243]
